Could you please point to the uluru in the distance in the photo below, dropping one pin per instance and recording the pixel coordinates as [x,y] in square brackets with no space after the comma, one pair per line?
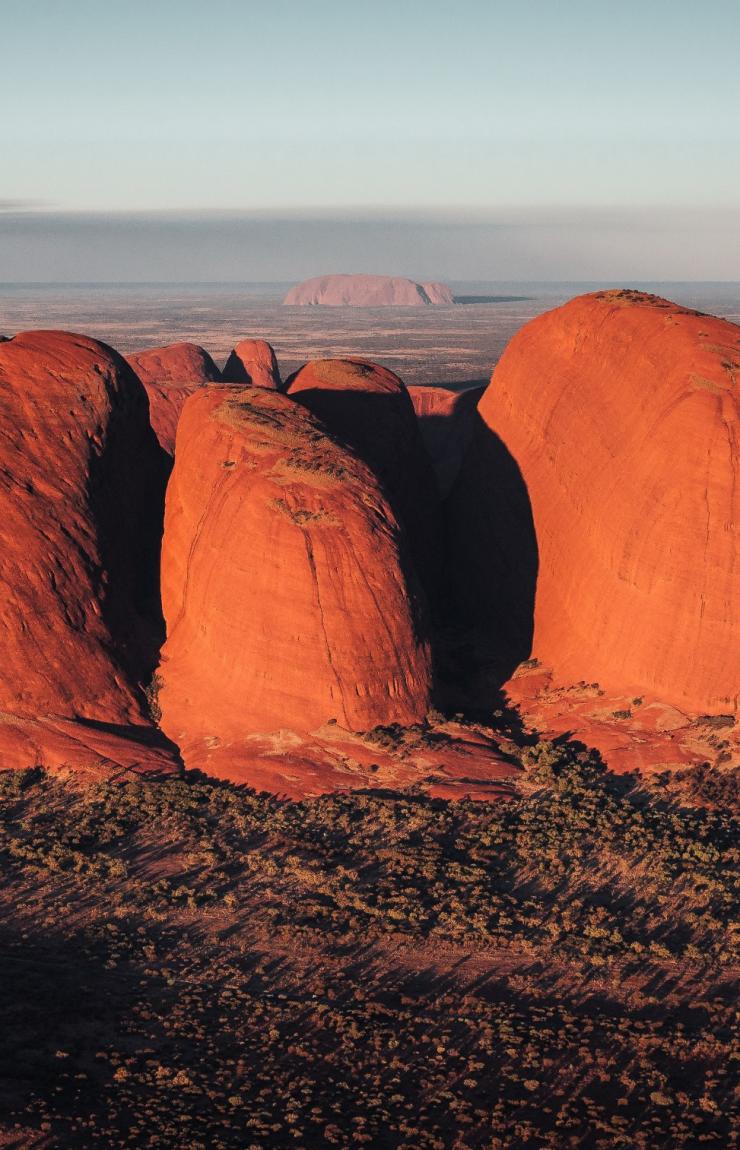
[369,577]
[367,291]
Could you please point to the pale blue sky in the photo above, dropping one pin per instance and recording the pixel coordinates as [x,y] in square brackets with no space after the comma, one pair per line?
[294,106]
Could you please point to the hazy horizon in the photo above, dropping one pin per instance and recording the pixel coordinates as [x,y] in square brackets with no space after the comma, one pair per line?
[605,245]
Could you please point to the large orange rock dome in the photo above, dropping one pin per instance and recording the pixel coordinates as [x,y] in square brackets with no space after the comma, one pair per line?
[369,408]
[253,361]
[81,492]
[600,498]
[170,374]
[176,363]
[286,587]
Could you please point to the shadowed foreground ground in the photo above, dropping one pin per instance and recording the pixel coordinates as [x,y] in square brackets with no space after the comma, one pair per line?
[191,964]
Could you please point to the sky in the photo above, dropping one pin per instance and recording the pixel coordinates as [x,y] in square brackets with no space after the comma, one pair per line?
[230,139]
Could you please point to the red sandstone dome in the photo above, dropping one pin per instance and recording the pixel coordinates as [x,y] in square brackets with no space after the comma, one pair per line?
[177,363]
[446,420]
[370,409]
[601,491]
[253,361]
[170,374]
[81,491]
[286,588]
[367,291]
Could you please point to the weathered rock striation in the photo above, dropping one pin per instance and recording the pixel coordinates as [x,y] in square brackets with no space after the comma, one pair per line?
[367,291]
[287,591]
[369,408]
[170,374]
[81,494]
[446,420]
[599,502]
[253,361]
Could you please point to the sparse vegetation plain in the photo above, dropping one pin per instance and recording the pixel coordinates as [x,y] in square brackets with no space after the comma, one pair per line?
[190,963]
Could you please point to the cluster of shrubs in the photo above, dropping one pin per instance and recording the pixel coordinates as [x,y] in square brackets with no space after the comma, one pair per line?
[395,737]
[192,963]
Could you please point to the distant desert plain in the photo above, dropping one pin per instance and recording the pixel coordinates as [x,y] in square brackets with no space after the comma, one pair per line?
[454,346]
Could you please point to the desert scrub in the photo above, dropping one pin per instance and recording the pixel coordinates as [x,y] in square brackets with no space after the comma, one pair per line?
[395,737]
[151,694]
[268,973]
[321,464]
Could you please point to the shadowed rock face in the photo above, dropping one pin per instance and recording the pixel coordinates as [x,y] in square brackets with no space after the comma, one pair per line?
[446,420]
[253,362]
[81,494]
[370,409]
[286,588]
[367,291]
[620,412]
[438,293]
[170,374]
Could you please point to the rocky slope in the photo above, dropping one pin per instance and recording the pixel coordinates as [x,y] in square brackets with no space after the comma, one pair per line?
[253,361]
[286,586]
[596,516]
[367,291]
[170,374]
[81,488]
